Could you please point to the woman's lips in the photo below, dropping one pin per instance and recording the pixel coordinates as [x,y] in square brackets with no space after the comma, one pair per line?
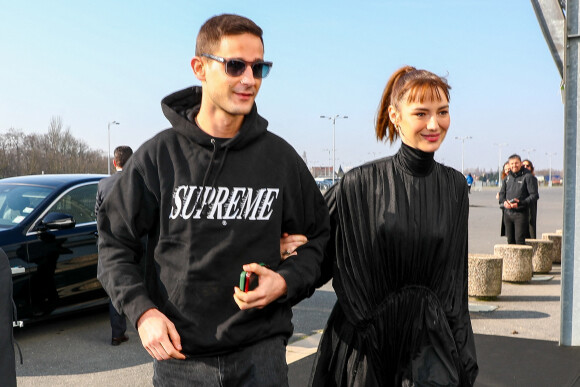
[432,137]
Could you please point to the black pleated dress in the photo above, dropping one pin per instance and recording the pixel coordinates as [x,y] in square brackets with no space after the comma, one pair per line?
[398,257]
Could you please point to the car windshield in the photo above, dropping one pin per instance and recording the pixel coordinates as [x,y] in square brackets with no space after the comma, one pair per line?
[17,202]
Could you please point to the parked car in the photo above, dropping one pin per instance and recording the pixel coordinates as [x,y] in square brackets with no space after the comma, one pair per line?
[48,230]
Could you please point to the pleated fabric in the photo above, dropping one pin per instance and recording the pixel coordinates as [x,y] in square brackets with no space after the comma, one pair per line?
[398,257]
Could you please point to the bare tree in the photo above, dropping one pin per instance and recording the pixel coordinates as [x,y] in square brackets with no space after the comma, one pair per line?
[57,151]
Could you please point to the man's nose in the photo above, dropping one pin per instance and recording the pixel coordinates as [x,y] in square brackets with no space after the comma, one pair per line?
[248,77]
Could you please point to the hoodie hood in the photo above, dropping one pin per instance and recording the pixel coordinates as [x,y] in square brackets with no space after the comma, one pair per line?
[181,107]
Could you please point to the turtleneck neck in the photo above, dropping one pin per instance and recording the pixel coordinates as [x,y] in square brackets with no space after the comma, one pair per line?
[415,161]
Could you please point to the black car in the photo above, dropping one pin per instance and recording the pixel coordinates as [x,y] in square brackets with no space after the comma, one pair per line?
[48,230]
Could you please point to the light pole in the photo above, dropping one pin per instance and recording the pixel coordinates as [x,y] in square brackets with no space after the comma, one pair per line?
[333,118]
[499,164]
[550,176]
[462,148]
[109,150]
[528,151]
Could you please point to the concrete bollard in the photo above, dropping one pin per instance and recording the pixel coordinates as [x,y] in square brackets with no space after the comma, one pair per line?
[541,255]
[557,247]
[517,262]
[484,276]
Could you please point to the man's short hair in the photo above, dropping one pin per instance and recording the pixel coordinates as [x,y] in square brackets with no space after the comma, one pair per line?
[214,29]
[515,156]
[122,154]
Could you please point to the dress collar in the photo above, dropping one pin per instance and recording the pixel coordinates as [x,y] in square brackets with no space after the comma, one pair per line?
[415,161]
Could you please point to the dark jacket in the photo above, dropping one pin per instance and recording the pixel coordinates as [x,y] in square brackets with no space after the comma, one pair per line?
[7,360]
[104,188]
[521,185]
[208,206]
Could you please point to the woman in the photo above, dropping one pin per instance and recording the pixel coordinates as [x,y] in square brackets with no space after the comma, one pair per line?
[399,254]
[533,208]
[506,170]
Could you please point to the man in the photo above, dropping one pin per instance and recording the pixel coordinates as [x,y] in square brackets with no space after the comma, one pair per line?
[214,194]
[7,314]
[120,157]
[515,197]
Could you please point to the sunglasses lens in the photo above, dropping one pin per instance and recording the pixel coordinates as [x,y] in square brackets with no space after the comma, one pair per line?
[261,70]
[235,67]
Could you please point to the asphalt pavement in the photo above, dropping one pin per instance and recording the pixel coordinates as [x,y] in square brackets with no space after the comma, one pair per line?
[522,331]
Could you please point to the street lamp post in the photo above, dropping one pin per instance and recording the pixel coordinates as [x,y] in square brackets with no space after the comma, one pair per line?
[528,151]
[333,118]
[109,149]
[550,176]
[499,164]
[462,148]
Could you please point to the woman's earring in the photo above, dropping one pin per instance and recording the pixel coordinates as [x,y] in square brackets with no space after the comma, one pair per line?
[398,128]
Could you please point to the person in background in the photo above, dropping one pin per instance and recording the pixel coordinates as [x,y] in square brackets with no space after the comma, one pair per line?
[120,157]
[7,357]
[533,204]
[214,194]
[398,254]
[515,196]
[469,180]
[504,172]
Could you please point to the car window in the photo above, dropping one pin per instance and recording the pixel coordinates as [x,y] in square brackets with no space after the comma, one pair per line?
[78,202]
[17,202]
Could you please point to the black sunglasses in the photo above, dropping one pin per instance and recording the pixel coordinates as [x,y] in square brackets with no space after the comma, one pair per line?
[236,67]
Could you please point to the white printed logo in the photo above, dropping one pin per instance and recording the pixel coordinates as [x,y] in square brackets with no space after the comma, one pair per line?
[193,202]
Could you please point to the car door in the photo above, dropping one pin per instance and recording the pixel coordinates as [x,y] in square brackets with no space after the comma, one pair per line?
[66,260]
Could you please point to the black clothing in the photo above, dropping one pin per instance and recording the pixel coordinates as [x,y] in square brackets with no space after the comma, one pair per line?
[7,359]
[523,186]
[208,208]
[104,187]
[533,214]
[516,227]
[399,255]
[118,321]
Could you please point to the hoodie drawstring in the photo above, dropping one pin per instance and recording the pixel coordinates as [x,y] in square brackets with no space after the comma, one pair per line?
[208,171]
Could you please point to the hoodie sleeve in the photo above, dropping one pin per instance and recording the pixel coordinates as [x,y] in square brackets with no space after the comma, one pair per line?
[123,218]
[305,212]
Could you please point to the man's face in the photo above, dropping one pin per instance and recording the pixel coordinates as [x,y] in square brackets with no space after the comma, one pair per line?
[233,95]
[515,165]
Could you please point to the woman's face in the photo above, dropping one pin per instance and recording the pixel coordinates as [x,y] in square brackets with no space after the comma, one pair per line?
[506,168]
[422,125]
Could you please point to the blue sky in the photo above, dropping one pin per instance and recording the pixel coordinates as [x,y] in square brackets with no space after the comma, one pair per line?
[94,62]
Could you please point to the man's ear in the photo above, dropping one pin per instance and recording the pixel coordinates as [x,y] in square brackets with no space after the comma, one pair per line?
[198,67]
[114,163]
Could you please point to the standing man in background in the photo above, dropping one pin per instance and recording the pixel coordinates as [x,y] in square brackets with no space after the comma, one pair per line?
[515,196]
[214,194]
[7,310]
[120,157]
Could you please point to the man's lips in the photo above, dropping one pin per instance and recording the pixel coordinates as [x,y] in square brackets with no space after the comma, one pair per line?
[244,95]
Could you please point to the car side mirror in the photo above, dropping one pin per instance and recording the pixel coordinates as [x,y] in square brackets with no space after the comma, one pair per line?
[56,221]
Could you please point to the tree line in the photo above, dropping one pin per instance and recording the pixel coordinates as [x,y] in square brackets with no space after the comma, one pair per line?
[54,152]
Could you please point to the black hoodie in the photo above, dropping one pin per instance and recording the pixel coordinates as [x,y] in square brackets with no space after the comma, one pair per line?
[208,206]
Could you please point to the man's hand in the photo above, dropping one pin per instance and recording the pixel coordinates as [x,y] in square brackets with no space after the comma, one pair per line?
[508,204]
[271,286]
[159,336]
[289,244]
